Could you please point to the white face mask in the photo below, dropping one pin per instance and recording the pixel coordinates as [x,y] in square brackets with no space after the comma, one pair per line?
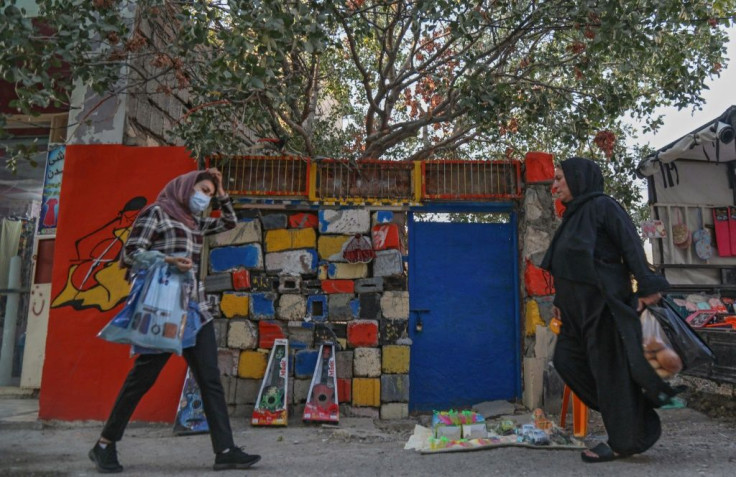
[198,202]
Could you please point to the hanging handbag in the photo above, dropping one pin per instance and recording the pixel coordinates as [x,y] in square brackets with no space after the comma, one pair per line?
[680,232]
[703,241]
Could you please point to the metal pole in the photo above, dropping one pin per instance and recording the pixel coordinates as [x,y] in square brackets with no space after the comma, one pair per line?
[11,320]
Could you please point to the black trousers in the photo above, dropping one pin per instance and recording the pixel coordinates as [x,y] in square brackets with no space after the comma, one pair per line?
[591,359]
[202,360]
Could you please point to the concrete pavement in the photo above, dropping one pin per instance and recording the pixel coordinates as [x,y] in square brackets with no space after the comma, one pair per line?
[692,445]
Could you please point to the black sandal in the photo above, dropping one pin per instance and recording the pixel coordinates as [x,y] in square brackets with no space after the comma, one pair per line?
[604,453]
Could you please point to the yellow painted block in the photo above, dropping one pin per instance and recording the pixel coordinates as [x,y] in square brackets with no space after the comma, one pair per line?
[532,318]
[395,359]
[367,392]
[347,271]
[289,239]
[330,246]
[343,342]
[234,304]
[252,364]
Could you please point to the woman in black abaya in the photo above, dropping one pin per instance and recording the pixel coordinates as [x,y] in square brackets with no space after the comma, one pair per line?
[599,354]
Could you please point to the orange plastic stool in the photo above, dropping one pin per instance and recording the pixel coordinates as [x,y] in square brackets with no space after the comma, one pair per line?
[579,413]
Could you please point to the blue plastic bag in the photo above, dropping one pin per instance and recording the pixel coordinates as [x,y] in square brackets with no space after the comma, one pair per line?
[189,339]
[155,314]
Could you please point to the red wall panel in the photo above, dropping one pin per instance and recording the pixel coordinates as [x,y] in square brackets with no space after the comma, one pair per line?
[105,186]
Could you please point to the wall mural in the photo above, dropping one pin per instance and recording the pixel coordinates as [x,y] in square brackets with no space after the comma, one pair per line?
[94,277]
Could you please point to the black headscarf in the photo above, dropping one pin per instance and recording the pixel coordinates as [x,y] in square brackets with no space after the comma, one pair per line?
[584,179]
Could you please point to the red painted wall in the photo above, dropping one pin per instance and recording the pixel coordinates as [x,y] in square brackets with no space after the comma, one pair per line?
[104,187]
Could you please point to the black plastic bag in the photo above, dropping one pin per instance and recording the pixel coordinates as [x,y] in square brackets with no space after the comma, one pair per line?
[689,346]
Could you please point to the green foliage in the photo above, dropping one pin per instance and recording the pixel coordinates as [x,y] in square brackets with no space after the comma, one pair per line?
[406,79]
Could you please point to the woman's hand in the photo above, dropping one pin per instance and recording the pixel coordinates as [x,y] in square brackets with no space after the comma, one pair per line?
[556,313]
[184,264]
[220,192]
[645,301]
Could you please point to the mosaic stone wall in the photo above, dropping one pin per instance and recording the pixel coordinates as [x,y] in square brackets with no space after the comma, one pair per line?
[285,275]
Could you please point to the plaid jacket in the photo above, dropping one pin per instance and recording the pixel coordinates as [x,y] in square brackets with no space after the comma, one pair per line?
[153,229]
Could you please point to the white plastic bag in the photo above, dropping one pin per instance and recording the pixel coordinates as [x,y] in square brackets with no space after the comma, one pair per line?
[657,347]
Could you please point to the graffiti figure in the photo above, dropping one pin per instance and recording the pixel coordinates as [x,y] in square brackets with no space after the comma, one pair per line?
[94,279]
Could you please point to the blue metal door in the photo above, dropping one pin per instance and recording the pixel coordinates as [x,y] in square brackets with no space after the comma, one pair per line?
[466,348]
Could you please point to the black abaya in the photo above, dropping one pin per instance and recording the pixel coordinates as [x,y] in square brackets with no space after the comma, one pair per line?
[599,353]
[591,359]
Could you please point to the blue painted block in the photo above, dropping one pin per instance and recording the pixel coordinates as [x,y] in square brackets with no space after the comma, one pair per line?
[355,307]
[296,346]
[262,306]
[305,362]
[317,308]
[224,259]
[384,217]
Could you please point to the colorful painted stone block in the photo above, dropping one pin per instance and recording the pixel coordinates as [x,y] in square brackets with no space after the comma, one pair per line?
[225,259]
[362,333]
[344,221]
[338,286]
[537,281]
[292,262]
[262,306]
[366,392]
[252,364]
[303,220]
[241,279]
[317,308]
[268,331]
[383,217]
[395,359]
[290,239]
[304,363]
[235,304]
[386,236]
[347,271]
[344,390]
[331,247]
[539,167]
